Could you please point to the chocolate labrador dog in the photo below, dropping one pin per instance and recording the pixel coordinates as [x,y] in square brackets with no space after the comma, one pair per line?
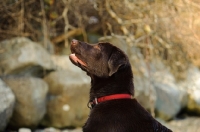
[112,108]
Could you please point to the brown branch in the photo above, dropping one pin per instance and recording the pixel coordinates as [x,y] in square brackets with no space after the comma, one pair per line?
[67,35]
[118,19]
[130,37]
[64,15]
[16,33]
[44,24]
[21,25]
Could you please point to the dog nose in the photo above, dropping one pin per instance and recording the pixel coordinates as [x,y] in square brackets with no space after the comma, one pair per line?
[74,41]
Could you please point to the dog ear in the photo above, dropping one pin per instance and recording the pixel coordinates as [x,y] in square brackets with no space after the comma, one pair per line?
[116,60]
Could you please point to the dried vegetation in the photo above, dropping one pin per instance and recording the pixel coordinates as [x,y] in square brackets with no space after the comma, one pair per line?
[168,29]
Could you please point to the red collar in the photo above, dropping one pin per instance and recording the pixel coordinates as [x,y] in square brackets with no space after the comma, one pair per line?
[106,98]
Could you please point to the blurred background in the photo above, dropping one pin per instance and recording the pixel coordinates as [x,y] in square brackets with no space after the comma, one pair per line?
[42,91]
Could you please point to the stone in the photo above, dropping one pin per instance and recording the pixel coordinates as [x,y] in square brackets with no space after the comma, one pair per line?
[62,62]
[76,130]
[22,56]
[24,130]
[145,93]
[7,101]
[192,86]
[189,124]
[52,129]
[67,75]
[167,103]
[170,99]
[67,110]
[61,81]
[68,95]
[48,45]
[30,104]
[144,90]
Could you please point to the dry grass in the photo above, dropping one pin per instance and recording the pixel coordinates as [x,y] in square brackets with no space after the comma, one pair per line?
[160,28]
[167,29]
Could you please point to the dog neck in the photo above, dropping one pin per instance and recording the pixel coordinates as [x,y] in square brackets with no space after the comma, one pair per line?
[118,83]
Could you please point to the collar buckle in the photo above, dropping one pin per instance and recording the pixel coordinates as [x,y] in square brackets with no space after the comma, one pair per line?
[96,101]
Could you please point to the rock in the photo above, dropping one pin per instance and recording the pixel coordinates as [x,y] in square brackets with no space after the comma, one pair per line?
[24,130]
[67,110]
[145,93]
[67,74]
[167,103]
[192,86]
[7,100]
[62,62]
[61,81]
[190,124]
[52,129]
[22,56]
[144,89]
[75,130]
[30,96]
[170,99]
[48,45]
[69,95]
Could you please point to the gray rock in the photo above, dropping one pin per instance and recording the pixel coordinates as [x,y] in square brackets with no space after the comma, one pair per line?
[62,62]
[145,93]
[71,75]
[48,45]
[190,124]
[24,130]
[69,95]
[144,89]
[167,103]
[75,130]
[52,129]
[49,129]
[30,96]
[22,56]
[170,99]
[61,81]
[7,100]
[191,85]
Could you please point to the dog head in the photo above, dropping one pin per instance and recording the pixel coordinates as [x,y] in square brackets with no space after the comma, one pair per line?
[101,60]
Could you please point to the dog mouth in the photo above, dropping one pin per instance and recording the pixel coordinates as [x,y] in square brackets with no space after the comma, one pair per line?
[75,60]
